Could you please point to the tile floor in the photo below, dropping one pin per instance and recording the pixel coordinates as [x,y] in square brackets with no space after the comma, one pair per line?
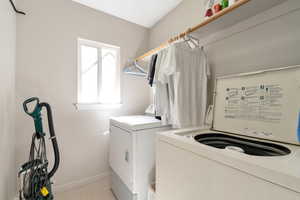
[93,191]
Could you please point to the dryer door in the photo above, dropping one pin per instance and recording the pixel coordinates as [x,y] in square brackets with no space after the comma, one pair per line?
[121,155]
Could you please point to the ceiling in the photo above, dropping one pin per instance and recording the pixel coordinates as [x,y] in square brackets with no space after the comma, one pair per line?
[142,12]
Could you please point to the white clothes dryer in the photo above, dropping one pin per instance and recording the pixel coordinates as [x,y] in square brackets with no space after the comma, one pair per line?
[132,155]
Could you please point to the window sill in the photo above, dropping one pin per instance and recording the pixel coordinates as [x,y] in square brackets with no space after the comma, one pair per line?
[97,106]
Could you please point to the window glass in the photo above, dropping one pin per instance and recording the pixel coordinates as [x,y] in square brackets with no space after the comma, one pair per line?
[98,73]
[89,74]
[108,86]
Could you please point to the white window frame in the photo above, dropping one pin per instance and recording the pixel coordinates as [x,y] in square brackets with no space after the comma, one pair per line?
[96,105]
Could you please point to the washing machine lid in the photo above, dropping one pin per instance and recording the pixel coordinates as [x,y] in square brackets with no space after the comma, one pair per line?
[136,122]
[263,104]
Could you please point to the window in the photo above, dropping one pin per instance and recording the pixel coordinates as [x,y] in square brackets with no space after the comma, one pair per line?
[98,73]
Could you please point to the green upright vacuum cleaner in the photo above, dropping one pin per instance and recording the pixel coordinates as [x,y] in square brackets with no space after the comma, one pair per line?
[35,179]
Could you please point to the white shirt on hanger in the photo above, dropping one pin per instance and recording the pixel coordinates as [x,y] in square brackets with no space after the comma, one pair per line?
[184,72]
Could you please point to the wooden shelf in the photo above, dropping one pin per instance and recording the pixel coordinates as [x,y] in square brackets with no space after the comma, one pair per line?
[240,11]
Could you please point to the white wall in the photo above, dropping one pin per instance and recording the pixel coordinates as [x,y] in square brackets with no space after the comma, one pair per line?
[264,41]
[47,68]
[185,15]
[7,101]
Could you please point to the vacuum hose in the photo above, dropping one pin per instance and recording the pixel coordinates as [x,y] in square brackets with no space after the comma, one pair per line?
[53,139]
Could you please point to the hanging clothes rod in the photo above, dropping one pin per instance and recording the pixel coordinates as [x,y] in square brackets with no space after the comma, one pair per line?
[193,29]
[15,9]
[163,45]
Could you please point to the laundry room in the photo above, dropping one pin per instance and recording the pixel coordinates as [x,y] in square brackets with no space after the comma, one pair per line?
[150,100]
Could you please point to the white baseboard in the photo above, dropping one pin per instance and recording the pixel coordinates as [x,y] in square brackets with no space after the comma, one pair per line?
[103,177]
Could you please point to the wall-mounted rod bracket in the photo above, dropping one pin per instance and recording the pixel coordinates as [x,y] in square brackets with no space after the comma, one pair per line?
[15,9]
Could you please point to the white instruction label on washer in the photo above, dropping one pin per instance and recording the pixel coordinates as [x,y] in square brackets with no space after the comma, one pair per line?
[255,103]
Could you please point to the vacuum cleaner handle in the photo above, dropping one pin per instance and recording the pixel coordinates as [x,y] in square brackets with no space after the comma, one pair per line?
[35,114]
[30,100]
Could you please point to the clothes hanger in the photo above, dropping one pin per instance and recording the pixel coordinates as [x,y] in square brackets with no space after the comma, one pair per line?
[190,40]
[135,70]
[139,67]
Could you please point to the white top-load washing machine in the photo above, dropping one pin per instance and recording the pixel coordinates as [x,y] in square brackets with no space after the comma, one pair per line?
[132,155]
[252,150]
